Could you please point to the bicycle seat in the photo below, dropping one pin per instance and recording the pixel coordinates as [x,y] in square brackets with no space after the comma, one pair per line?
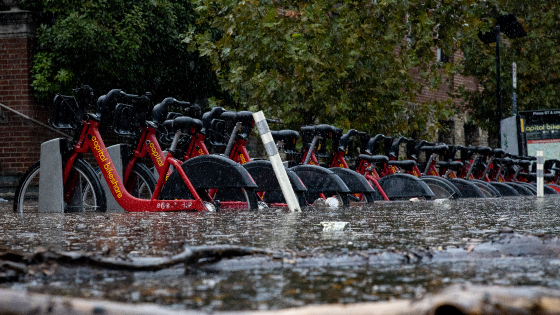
[186,125]
[285,134]
[406,164]
[497,152]
[523,163]
[506,160]
[452,165]
[374,159]
[483,150]
[439,149]
[525,158]
[325,131]
[244,117]
[289,137]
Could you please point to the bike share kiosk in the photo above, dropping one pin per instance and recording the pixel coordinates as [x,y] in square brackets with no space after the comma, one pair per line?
[532,131]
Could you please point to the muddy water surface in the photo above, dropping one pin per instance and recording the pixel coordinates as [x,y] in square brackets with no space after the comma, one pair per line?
[389,250]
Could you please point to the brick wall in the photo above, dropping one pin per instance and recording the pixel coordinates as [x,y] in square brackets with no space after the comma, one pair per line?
[19,138]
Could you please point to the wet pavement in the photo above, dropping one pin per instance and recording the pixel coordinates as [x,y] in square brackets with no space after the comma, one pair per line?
[388,250]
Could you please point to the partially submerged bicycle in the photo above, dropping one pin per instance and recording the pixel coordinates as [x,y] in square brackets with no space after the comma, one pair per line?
[80,178]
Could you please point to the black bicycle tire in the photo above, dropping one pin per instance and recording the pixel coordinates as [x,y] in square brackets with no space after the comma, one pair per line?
[453,191]
[78,163]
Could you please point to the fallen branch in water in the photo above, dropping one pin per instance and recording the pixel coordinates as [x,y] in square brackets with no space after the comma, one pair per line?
[191,256]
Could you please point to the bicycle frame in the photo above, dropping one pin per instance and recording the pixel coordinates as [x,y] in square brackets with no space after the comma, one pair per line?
[149,145]
[90,140]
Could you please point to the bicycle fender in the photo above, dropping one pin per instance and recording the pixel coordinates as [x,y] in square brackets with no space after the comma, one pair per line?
[214,171]
[521,189]
[318,179]
[467,189]
[505,190]
[405,186]
[265,178]
[356,182]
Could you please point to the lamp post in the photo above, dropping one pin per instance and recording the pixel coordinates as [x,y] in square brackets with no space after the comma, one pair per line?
[509,25]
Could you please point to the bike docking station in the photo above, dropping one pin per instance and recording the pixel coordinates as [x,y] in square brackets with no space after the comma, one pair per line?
[51,196]
[51,190]
[276,161]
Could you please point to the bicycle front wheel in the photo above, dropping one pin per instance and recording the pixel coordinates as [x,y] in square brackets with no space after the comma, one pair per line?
[85,190]
[141,183]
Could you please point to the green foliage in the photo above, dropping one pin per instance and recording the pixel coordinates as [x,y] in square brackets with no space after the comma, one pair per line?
[131,45]
[356,64]
[537,57]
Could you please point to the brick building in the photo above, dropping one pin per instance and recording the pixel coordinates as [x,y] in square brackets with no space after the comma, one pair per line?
[460,130]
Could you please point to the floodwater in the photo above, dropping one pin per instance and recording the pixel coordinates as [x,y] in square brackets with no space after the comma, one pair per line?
[388,250]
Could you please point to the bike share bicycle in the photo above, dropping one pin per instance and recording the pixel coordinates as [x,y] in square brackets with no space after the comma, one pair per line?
[79,177]
[215,178]
[218,122]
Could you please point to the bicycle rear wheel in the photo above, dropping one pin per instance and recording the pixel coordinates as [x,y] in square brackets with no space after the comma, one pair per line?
[91,196]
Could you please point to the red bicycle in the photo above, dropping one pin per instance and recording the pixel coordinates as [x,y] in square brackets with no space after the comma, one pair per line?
[213,177]
[79,176]
[217,123]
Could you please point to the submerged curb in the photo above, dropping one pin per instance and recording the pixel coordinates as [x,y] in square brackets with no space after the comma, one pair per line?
[456,299]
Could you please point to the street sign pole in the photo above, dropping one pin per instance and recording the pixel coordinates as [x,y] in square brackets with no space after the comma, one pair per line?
[514,73]
[499,87]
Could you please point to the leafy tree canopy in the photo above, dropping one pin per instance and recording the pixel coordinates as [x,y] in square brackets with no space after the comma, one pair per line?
[537,57]
[357,64]
[131,45]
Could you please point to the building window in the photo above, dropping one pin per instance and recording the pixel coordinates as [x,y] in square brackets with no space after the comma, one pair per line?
[441,57]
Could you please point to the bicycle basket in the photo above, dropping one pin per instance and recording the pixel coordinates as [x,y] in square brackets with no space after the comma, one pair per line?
[66,113]
[124,121]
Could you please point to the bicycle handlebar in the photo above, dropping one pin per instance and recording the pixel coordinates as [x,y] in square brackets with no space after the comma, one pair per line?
[159,113]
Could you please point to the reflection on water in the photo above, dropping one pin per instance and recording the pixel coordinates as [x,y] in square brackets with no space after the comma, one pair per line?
[260,282]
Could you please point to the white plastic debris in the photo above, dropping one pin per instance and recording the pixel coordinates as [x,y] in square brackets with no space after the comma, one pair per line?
[262,205]
[333,226]
[3,200]
[209,206]
[441,201]
[332,202]
[415,199]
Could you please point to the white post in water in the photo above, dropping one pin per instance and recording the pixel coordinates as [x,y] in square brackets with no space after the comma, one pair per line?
[540,168]
[276,161]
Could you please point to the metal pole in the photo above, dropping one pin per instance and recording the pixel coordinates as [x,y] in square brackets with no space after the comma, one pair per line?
[276,161]
[499,85]
[540,175]
[514,77]
[311,149]
[33,120]
[231,141]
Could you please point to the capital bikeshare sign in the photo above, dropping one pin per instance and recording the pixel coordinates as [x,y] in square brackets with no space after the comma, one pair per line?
[542,132]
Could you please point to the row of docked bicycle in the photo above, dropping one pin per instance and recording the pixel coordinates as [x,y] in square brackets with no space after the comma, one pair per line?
[187,177]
